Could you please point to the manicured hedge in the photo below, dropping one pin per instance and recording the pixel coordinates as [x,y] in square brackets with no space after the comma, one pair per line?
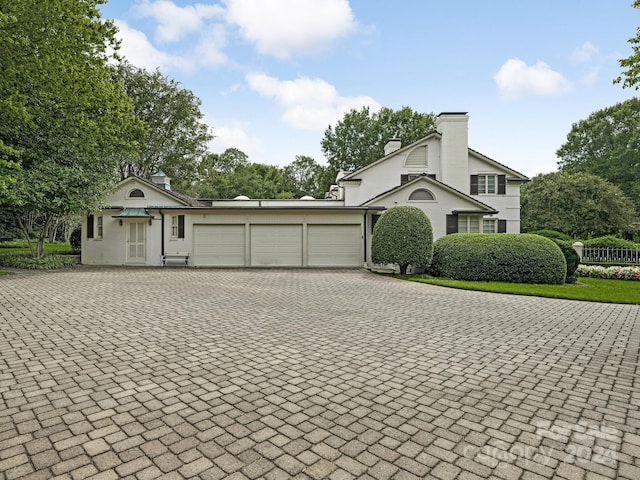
[610,241]
[501,257]
[571,257]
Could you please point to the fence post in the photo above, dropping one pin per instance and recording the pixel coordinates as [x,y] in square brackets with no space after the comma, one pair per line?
[579,248]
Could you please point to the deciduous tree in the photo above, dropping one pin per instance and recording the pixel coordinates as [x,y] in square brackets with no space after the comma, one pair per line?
[581,205]
[359,138]
[171,136]
[61,113]
[606,144]
[631,76]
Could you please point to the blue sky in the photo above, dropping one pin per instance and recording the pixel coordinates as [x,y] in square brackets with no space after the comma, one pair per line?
[273,74]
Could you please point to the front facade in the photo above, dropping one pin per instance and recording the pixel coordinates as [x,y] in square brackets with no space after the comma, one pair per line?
[459,189]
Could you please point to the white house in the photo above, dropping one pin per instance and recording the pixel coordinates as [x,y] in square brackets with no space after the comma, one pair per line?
[459,189]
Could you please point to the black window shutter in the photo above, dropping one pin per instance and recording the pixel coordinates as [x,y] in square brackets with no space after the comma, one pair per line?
[374,219]
[452,224]
[431,175]
[473,189]
[180,226]
[502,226]
[502,184]
[89,226]
[404,179]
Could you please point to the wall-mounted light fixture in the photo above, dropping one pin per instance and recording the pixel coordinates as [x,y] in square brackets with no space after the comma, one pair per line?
[120,221]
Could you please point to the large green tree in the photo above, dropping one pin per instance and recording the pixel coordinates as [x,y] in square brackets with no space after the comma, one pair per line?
[581,205]
[171,136]
[307,176]
[607,144]
[631,76]
[61,113]
[359,138]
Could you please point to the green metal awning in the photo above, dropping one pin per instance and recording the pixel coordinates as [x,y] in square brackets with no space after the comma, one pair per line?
[133,213]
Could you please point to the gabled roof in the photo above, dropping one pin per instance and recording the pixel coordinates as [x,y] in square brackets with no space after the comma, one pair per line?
[518,175]
[184,199]
[349,175]
[483,157]
[482,207]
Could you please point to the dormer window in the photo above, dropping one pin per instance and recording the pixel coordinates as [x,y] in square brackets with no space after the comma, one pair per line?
[136,193]
[421,194]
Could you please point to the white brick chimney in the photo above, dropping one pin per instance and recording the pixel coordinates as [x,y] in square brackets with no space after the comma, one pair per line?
[454,149]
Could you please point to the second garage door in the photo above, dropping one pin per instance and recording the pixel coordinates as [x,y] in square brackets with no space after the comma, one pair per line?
[276,245]
[219,245]
[334,246]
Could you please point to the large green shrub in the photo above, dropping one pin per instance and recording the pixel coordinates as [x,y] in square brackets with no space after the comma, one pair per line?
[403,236]
[501,257]
[610,241]
[571,257]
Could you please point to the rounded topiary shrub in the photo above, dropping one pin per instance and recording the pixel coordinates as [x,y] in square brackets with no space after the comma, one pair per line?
[403,236]
[500,257]
[571,257]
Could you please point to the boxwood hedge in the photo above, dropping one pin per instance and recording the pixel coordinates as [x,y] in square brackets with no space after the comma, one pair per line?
[501,257]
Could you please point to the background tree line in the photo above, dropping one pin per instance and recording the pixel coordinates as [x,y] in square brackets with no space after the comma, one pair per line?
[75,119]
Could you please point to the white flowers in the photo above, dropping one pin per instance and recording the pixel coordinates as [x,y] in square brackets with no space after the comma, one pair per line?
[611,273]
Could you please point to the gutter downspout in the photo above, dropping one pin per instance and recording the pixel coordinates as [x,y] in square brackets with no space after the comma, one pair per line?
[161,231]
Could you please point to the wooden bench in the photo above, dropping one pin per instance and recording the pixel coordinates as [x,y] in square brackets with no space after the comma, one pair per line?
[175,257]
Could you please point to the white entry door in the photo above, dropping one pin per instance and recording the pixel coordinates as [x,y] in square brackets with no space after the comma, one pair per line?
[136,242]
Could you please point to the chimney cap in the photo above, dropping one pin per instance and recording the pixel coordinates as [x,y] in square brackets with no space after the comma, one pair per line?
[452,113]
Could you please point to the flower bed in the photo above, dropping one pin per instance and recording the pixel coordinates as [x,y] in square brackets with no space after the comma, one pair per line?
[610,273]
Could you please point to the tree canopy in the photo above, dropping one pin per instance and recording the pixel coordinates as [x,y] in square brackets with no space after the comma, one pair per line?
[581,205]
[631,76]
[359,138]
[61,113]
[606,144]
[171,135]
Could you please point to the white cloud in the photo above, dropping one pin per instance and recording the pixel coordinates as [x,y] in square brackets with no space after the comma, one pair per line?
[307,104]
[283,28]
[516,79]
[139,51]
[584,53]
[174,22]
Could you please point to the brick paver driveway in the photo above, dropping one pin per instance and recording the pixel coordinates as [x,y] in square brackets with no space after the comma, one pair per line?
[181,373]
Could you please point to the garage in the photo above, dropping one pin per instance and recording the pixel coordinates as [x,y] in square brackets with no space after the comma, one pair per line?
[334,246]
[219,245]
[276,245]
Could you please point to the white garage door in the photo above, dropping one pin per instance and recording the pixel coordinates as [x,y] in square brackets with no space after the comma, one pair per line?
[276,245]
[334,246]
[219,245]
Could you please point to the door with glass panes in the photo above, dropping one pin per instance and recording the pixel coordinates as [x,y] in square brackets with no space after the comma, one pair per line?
[136,242]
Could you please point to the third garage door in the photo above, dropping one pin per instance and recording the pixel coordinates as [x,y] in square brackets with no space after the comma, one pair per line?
[334,246]
[218,245]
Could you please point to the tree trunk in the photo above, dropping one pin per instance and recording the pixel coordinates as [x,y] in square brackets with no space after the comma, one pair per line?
[403,269]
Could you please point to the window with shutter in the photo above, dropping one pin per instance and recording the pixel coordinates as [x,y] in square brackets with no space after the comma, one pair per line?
[90,226]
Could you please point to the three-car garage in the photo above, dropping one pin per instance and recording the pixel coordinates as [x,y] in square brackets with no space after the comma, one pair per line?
[280,239]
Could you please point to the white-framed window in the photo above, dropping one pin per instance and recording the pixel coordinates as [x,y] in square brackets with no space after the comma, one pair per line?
[177,226]
[469,223]
[99,226]
[489,225]
[487,184]
[136,193]
[422,195]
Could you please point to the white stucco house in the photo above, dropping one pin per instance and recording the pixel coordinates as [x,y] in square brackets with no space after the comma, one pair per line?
[459,189]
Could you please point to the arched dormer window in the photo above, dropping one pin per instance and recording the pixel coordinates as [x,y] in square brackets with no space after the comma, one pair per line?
[421,194]
[136,193]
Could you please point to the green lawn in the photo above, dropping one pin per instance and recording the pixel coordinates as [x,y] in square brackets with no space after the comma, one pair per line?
[23,247]
[588,289]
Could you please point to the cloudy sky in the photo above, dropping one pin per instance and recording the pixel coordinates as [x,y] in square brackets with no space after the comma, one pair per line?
[273,74]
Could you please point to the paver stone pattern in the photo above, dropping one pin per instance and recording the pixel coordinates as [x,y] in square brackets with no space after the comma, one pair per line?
[174,373]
